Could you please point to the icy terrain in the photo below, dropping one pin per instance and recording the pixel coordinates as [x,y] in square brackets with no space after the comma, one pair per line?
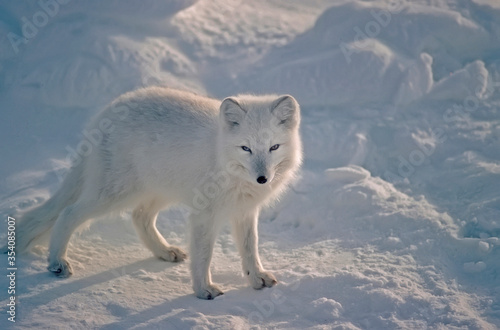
[395,222]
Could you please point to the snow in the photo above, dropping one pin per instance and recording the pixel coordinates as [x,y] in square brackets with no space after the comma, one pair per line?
[395,221]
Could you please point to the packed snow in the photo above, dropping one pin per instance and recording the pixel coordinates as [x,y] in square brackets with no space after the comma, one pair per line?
[395,220]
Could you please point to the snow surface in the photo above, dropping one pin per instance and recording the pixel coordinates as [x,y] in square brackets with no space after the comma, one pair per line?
[395,222]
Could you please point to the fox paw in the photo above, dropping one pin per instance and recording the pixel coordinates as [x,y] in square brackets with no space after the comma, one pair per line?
[262,279]
[209,292]
[61,268]
[172,254]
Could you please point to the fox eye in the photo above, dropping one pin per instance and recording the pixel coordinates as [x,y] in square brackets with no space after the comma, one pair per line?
[246,149]
[274,147]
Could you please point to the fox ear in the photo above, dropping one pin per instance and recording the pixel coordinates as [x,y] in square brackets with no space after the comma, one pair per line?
[286,109]
[231,112]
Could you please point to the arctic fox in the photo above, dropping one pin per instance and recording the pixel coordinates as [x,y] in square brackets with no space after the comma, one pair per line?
[156,147]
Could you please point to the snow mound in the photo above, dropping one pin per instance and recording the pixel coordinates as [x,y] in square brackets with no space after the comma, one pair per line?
[472,81]
[358,201]
[392,53]
[347,174]
[324,309]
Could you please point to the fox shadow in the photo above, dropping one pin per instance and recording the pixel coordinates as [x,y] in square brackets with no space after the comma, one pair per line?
[68,286]
[174,313]
[181,312]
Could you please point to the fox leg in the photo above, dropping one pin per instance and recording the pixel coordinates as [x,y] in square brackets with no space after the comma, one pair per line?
[70,218]
[203,234]
[144,217]
[247,240]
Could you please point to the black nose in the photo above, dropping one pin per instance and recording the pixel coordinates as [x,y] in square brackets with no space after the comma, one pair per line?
[261,179]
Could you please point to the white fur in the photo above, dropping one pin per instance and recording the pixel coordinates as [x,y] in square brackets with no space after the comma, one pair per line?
[156,147]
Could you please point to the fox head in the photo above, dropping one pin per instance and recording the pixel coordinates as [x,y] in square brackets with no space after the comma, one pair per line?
[259,138]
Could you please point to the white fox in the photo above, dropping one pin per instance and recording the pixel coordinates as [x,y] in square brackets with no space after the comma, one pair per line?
[156,147]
